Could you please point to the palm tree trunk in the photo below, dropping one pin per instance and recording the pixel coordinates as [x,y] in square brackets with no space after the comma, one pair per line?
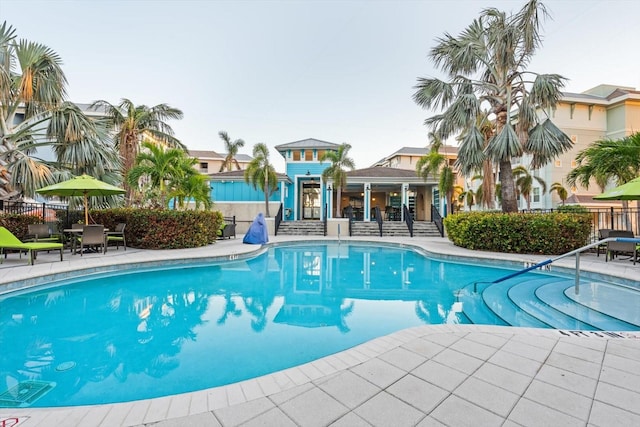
[266,193]
[488,185]
[508,187]
[338,200]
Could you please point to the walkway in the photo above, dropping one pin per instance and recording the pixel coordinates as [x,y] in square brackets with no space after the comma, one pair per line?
[425,376]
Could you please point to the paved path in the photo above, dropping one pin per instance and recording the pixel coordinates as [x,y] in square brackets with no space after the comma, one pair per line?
[426,376]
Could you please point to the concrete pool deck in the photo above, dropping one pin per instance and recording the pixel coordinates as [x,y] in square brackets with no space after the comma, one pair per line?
[451,375]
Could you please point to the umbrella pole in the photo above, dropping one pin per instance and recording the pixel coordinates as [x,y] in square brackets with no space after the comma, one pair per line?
[86,210]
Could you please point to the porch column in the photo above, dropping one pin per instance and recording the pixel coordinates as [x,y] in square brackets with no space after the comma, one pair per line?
[366,215]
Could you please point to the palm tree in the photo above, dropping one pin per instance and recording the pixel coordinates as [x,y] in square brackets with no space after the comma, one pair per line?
[337,171]
[34,115]
[133,123]
[606,160]
[524,183]
[486,64]
[158,167]
[467,198]
[232,148]
[192,186]
[434,163]
[560,191]
[261,174]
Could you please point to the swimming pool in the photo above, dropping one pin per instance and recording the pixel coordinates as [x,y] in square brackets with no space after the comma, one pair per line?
[152,332]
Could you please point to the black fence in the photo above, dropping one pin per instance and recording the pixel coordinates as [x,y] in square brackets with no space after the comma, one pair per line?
[49,213]
[607,219]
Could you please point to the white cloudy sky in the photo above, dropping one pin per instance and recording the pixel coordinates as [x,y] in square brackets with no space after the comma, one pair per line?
[281,71]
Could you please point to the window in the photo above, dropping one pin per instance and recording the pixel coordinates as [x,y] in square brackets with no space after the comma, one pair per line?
[558,163]
[296,155]
[536,195]
[308,155]
[204,167]
[574,138]
[574,163]
[320,154]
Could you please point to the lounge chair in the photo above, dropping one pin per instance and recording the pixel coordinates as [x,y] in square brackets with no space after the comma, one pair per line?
[9,241]
[92,236]
[615,248]
[603,233]
[117,236]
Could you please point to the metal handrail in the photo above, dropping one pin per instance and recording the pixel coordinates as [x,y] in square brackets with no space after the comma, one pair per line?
[378,218]
[408,219]
[436,218]
[348,212]
[325,220]
[575,252]
[278,220]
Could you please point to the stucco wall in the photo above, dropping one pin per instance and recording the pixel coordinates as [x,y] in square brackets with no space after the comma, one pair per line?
[245,212]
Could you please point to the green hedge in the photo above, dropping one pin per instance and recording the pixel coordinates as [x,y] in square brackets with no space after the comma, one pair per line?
[551,233]
[18,224]
[162,229]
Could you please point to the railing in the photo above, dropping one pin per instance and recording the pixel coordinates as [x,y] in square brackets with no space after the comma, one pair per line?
[324,225]
[47,212]
[348,212]
[436,218]
[607,218]
[378,219]
[575,252]
[278,220]
[408,219]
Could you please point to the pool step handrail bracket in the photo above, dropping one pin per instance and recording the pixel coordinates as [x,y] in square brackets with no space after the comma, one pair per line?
[575,252]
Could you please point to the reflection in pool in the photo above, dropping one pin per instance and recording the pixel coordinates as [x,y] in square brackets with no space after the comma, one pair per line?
[149,333]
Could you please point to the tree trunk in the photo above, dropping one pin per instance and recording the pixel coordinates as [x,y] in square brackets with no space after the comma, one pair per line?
[508,187]
[338,200]
[267,190]
[488,185]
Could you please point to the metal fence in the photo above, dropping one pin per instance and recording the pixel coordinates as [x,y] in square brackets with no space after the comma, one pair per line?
[50,213]
[608,218]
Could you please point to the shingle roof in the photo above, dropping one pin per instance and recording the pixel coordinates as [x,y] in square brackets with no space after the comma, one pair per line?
[307,143]
[201,154]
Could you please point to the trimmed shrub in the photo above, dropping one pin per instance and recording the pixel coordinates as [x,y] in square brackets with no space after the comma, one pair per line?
[522,233]
[18,224]
[162,229]
[572,209]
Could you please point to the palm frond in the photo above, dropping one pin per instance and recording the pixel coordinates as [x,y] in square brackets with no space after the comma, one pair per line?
[504,145]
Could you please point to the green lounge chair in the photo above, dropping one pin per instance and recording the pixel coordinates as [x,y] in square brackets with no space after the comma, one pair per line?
[9,241]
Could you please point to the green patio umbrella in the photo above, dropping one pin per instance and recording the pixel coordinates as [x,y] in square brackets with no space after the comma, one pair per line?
[83,185]
[628,191]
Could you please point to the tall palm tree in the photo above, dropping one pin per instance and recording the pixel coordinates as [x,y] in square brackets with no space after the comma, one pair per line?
[134,123]
[337,170]
[232,148]
[524,183]
[436,164]
[562,192]
[158,166]
[35,115]
[486,64]
[261,174]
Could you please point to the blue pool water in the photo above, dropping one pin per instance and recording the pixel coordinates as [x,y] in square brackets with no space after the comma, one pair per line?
[147,333]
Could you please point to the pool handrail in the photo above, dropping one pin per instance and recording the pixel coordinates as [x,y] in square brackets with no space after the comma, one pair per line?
[575,252]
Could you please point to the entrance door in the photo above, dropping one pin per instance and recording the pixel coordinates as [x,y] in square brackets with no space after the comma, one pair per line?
[310,201]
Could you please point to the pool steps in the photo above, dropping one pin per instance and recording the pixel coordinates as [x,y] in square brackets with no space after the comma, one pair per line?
[526,301]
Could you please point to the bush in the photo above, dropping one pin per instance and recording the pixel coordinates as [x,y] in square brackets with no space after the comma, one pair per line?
[18,224]
[572,209]
[549,233]
[162,229]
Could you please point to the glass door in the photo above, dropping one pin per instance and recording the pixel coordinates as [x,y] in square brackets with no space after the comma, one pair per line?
[311,201]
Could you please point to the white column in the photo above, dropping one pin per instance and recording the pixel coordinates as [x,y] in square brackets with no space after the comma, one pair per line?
[366,215]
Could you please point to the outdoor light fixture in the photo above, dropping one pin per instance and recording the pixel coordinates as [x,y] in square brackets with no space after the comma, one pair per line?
[308,173]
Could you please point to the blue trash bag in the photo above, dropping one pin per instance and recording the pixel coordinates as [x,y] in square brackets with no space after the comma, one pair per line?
[257,233]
